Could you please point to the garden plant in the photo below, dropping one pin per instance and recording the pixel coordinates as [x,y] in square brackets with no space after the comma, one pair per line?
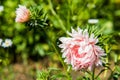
[59,40]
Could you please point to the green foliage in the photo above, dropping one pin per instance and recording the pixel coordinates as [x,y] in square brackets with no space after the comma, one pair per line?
[51,19]
[37,18]
[51,74]
[61,15]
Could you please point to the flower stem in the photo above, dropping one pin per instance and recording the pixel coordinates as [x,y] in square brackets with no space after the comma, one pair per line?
[58,56]
[68,74]
[107,60]
[54,47]
[93,74]
[57,52]
[34,36]
[57,17]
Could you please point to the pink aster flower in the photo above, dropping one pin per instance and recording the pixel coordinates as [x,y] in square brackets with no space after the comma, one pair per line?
[80,50]
[22,14]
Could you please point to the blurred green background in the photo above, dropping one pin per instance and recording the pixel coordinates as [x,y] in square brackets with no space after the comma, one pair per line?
[61,14]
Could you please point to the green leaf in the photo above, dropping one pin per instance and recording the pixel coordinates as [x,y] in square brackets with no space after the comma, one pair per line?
[59,75]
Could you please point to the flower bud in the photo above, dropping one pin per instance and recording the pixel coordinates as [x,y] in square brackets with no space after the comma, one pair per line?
[22,14]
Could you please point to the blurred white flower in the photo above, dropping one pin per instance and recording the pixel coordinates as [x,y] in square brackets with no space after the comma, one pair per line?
[1,8]
[7,43]
[1,41]
[93,21]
